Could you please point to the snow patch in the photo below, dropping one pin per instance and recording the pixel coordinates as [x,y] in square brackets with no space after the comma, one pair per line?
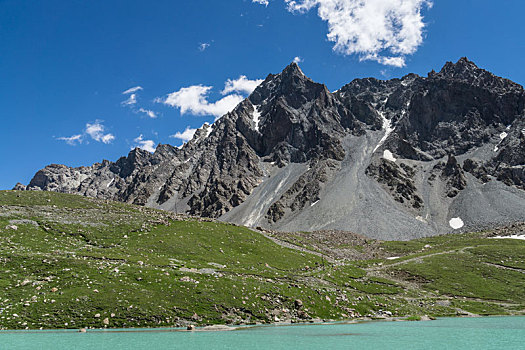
[520,237]
[393,258]
[502,137]
[314,203]
[256,117]
[109,183]
[456,223]
[389,156]
[257,213]
[208,130]
[420,218]
[387,127]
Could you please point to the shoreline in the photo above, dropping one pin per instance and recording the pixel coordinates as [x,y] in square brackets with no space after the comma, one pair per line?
[226,328]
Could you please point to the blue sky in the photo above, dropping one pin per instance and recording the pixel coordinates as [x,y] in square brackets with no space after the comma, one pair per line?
[64,65]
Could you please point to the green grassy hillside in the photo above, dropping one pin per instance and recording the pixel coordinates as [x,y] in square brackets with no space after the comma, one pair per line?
[69,262]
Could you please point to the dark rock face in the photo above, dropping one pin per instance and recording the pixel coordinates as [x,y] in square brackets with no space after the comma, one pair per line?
[305,191]
[293,151]
[452,175]
[399,180]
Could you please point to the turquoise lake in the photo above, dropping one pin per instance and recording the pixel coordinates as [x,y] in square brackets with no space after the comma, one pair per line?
[448,333]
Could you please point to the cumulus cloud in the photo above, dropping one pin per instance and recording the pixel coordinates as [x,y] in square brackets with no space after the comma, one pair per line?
[186,135]
[203,46]
[262,2]
[147,145]
[194,99]
[95,131]
[132,90]
[148,112]
[242,85]
[297,59]
[378,30]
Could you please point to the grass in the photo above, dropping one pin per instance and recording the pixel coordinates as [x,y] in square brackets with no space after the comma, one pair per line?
[77,262]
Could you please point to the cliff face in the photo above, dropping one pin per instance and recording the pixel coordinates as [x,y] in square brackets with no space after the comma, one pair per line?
[393,159]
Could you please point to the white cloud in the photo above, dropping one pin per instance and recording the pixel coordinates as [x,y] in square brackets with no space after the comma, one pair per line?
[72,140]
[378,30]
[194,100]
[107,138]
[95,131]
[186,135]
[132,100]
[297,59]
[242,84]
[262,2]
[148,112]
[132,90]
[203,46]
[147,145]
[389,61]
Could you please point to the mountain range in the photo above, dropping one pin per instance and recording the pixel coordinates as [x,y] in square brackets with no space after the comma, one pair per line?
[391,159]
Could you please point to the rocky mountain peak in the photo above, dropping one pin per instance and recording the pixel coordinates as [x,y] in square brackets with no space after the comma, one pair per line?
[293,69]
[461,66]
[462,70]
[290,86]
[387,158]
[468,72]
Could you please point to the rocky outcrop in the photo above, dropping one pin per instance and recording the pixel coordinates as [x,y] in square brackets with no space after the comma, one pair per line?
[451,174]
[396,158]
[398,180]
[305,191]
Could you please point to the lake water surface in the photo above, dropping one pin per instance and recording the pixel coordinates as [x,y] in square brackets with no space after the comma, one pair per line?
[447,333]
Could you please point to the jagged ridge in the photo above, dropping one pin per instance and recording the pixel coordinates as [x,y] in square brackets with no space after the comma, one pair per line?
[389,159]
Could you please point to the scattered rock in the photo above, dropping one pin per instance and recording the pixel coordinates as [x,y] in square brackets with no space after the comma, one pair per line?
[218,327]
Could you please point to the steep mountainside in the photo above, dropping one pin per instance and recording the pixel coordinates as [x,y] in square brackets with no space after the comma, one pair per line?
[395,159]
